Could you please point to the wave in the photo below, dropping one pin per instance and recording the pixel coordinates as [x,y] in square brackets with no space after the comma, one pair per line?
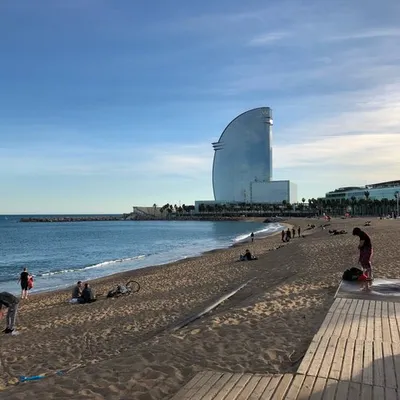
[271,228]
[98,265]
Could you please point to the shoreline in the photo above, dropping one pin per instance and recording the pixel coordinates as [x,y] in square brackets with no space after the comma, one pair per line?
[133,272]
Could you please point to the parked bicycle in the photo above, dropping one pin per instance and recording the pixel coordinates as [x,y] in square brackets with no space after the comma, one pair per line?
[123,290]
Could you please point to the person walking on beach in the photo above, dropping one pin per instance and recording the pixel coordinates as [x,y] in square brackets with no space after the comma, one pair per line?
[24,281]
[252,236]
[283,234]
[9,301]
[293,232]
[366,252]
[298,231]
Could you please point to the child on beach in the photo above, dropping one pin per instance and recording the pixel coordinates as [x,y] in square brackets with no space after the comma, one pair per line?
[366,252]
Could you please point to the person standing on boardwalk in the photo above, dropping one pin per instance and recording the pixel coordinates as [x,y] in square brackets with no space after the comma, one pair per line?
[9,301]
[24,281]
[366,252]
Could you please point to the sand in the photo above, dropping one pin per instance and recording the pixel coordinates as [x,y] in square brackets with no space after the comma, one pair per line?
[124,348]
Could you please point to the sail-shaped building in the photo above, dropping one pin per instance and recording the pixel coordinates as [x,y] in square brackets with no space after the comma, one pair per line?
[242,167]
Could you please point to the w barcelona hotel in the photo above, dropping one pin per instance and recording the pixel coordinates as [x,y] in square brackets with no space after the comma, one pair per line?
[242,167]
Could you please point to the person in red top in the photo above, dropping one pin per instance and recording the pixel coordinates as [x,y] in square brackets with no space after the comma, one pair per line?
[366,252]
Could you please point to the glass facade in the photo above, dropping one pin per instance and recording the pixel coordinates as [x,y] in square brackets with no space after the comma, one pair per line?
[374,193]
[243,155]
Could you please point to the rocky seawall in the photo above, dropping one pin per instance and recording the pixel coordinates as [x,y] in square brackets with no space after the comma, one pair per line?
[74,219]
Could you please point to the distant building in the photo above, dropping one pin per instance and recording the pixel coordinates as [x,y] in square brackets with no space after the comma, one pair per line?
[242,167]
[376,191]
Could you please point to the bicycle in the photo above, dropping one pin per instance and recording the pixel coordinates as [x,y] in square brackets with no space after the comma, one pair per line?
[122,290]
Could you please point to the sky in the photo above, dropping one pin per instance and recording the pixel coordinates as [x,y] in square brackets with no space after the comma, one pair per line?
[106,104]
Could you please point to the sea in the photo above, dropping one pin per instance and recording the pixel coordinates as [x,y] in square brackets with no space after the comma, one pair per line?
[60,253]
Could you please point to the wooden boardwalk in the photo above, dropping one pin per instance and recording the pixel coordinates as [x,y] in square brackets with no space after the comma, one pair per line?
[354,355]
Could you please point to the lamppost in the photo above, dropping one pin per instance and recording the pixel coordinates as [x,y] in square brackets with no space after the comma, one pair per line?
[396,195]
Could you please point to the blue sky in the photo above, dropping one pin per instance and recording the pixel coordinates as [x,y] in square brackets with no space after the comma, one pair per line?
[105,104]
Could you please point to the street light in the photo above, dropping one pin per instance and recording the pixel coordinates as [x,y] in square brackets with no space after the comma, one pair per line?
[396,195]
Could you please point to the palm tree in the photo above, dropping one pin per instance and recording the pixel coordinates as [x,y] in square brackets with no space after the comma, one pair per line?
[366,194]
[154,208]
[353,203]
[303,200]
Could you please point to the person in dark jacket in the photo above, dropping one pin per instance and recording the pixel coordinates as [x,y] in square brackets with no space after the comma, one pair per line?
[87,294]
[9,301]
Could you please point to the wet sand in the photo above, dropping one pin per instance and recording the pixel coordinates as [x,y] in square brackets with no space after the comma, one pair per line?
[125,348]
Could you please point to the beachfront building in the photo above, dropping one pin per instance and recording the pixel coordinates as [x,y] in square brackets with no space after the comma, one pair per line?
[376,191]
[242,167]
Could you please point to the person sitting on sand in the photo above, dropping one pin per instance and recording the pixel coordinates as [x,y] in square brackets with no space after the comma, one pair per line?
[366,252]
[87,295]
[9,301]
[77,291]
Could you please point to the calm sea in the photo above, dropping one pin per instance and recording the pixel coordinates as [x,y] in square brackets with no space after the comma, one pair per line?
[59,254]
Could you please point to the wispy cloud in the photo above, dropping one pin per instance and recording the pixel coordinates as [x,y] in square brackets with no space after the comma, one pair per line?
[367,34]
[268,38]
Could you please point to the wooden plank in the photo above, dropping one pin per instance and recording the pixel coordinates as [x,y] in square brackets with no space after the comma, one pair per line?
[309,356]
[295,387]
[352,307]
[369,335]
[332,325]
[387,337]
[397,312]
[217,386]
[342,390]
[319,356]
[306,388]
[378,321]
[366,392]
[359,306]
[378,392]
[394,330]
[390,394]
[238,387]
[334,306]
[354,391]
[207,386]
[325,324]
[368,371]
[347,324]
[337,331]
[192,388]
[348,360]
[337,362]
[182,392]
[260,388]
[271,387]
[365,307]
[357,373]
[354,326]
[328,357]
[396,359]
[249,388]
[221,395]
[330,390]
[318,389]
[390,375]
[379,375]
[362,327]
[282,387]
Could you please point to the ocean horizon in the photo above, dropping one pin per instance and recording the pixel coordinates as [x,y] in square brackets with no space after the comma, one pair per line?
[59,254]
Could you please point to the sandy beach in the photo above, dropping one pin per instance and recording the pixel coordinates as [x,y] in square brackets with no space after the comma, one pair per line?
[124,348]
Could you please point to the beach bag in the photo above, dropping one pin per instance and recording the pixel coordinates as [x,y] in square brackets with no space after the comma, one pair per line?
[30,283]
[351,274]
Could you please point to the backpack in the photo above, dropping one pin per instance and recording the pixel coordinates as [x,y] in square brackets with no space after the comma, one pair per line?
[351,274]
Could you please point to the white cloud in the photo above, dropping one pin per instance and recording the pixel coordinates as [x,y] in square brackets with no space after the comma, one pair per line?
[267,38]
[367,34]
